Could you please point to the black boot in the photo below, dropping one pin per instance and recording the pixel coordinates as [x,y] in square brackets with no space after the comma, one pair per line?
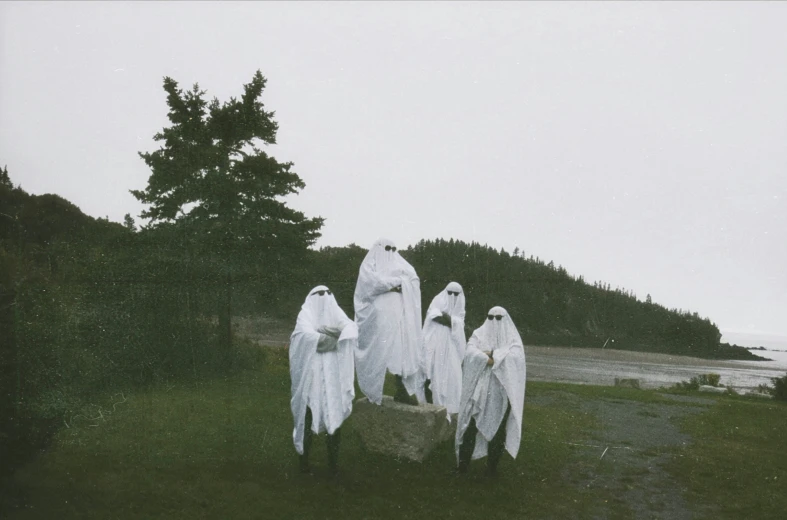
[496,446]
[333,451]
[468,447]
[401,395]
[307,443]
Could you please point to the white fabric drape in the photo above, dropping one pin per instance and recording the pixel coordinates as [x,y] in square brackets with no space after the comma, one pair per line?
[487,390]
[444,348]
[389,323]
[323,381]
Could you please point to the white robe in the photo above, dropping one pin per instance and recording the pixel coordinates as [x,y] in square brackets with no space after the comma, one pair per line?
[323,381]
[444,348]
[487,390]
[389,323]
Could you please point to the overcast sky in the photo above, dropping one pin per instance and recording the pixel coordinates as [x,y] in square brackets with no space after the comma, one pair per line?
[642,144]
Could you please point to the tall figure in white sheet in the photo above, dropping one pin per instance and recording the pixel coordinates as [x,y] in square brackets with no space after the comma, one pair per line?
[322,373]
[388,314]
[493,392]
[444,348]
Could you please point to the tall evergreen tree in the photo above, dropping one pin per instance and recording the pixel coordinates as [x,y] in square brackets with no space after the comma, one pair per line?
[211,177]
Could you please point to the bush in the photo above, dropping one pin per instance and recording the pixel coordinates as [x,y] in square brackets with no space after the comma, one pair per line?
[701,380]
[709,379]
[779,390]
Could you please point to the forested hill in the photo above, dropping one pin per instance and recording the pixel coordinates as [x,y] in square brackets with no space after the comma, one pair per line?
[548,305]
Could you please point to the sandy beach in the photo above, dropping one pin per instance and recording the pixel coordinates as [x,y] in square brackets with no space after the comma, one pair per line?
[602,366]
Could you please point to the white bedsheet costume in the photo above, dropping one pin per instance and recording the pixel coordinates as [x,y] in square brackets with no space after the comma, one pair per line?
[444,347]
[389,323]
[487,390]
[323,381]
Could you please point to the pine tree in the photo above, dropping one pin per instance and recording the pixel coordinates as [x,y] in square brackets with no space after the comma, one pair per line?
[211,176]
[128,222]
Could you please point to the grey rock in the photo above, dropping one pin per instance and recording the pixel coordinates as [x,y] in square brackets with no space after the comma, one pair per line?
[401,430]
[713,389]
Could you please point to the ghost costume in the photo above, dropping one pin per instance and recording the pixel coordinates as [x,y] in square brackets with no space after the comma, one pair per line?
[321,371]
[388,314]
[444,347]
[493,396]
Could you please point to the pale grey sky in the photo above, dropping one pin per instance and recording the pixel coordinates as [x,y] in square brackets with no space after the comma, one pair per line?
[642,144]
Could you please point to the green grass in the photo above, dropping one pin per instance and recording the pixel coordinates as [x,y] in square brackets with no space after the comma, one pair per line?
[736,466]
[222,449]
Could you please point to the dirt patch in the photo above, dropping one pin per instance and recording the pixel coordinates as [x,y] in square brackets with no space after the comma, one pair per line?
[625,456]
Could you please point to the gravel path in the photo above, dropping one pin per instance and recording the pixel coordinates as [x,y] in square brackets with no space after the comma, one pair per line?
[627,453]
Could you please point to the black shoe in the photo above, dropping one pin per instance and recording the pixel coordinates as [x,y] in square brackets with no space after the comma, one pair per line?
[405,398]
[401,395]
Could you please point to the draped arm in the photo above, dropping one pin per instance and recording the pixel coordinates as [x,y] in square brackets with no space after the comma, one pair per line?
[376,283]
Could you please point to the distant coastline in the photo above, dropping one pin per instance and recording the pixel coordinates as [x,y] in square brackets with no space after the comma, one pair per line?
[752,341]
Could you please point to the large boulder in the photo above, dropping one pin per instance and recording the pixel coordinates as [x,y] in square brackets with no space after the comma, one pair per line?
[401,430]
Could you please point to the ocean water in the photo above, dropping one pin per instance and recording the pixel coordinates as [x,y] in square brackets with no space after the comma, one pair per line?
[776,346]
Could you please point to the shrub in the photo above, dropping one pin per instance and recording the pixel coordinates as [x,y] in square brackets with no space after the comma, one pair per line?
[697,381]
[779,390]
[708,379]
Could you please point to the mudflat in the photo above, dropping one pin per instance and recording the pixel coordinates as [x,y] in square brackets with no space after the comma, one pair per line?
[653,370]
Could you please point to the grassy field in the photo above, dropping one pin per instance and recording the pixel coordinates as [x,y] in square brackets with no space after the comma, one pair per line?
[222,449]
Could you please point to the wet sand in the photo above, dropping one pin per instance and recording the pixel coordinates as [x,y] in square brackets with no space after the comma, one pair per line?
[602,366]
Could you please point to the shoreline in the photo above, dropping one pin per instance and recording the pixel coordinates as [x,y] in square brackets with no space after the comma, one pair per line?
[652,370]
[609,354]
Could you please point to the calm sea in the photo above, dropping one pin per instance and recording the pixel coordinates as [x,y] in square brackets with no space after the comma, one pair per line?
[776,346]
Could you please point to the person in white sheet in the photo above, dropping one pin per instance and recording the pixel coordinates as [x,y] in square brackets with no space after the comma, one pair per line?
[388,314]
[444,348]
[493,393]
[322,373]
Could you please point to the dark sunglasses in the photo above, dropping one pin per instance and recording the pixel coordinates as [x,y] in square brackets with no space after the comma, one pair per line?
[453,293]
[390,248]
[498,317]
[322,292]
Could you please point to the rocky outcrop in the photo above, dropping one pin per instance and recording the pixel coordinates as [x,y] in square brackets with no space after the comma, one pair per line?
[401,430]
